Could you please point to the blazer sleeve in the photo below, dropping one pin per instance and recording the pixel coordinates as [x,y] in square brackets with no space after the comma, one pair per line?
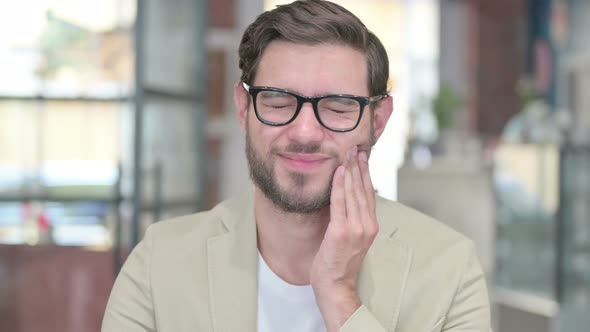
[470,308]
[130,306]
[362,320]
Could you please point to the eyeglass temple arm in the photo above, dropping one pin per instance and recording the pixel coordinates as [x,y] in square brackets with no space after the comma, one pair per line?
[377,98]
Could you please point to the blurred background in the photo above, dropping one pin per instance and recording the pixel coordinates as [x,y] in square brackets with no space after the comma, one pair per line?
[115,114]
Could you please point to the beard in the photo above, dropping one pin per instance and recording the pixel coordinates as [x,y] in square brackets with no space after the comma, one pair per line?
[294,199]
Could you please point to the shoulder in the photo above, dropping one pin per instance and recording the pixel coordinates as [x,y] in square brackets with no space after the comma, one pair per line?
[201,225]
[412,224]
[422,234]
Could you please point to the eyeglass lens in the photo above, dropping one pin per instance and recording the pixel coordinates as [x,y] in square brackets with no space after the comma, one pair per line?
[334,112]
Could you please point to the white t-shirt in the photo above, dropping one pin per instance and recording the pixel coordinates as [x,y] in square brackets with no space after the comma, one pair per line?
[283,307]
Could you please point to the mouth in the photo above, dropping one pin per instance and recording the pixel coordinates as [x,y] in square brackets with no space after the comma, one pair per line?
[304,162]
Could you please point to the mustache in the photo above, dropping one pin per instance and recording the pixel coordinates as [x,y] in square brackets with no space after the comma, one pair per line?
[304,148]
[315,148]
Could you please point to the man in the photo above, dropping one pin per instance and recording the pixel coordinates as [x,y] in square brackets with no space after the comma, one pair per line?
[313,248]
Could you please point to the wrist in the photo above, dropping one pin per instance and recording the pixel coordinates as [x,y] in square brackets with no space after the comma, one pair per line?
[336,305]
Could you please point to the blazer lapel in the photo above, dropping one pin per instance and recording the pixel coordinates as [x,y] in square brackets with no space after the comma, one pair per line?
[383,275]
[233,269]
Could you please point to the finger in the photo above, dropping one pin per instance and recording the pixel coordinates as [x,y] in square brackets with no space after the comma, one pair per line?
[367,183]
[367,211]
[337,201]
[364,168]
[352,208]
[359,190]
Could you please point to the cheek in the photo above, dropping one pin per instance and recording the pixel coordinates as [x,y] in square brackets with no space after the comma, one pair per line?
[264,137]
[364,133]
[345,141]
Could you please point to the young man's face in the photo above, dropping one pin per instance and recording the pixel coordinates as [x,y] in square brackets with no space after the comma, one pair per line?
[294,164]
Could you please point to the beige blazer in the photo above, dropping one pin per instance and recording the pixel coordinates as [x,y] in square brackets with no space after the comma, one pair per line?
[199,273]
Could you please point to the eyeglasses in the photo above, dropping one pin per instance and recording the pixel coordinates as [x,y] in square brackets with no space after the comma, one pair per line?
[278,107]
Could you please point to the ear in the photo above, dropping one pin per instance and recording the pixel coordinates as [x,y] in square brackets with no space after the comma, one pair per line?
[241,99]
[382,113]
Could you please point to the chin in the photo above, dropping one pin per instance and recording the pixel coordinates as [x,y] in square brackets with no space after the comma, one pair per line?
[310,189]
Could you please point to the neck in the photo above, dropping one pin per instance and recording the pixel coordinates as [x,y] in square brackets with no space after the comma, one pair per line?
[288,242]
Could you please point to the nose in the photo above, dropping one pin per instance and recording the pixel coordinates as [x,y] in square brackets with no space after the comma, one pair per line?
[306,128]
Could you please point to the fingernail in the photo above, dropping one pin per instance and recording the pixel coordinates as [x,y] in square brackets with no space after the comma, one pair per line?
[363,156]
[340,171]
[355,150]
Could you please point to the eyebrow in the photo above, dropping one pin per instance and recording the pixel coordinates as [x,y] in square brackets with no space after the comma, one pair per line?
[302,94]
[273,94]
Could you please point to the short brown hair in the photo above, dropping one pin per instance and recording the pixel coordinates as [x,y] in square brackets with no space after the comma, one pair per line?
[313,22]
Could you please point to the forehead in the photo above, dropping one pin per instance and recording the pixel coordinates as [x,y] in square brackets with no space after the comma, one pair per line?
[313,69]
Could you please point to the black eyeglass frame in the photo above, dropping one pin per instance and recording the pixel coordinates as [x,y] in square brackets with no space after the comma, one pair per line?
[363,102]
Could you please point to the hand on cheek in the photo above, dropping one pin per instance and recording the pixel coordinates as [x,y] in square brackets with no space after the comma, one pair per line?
[351,231]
